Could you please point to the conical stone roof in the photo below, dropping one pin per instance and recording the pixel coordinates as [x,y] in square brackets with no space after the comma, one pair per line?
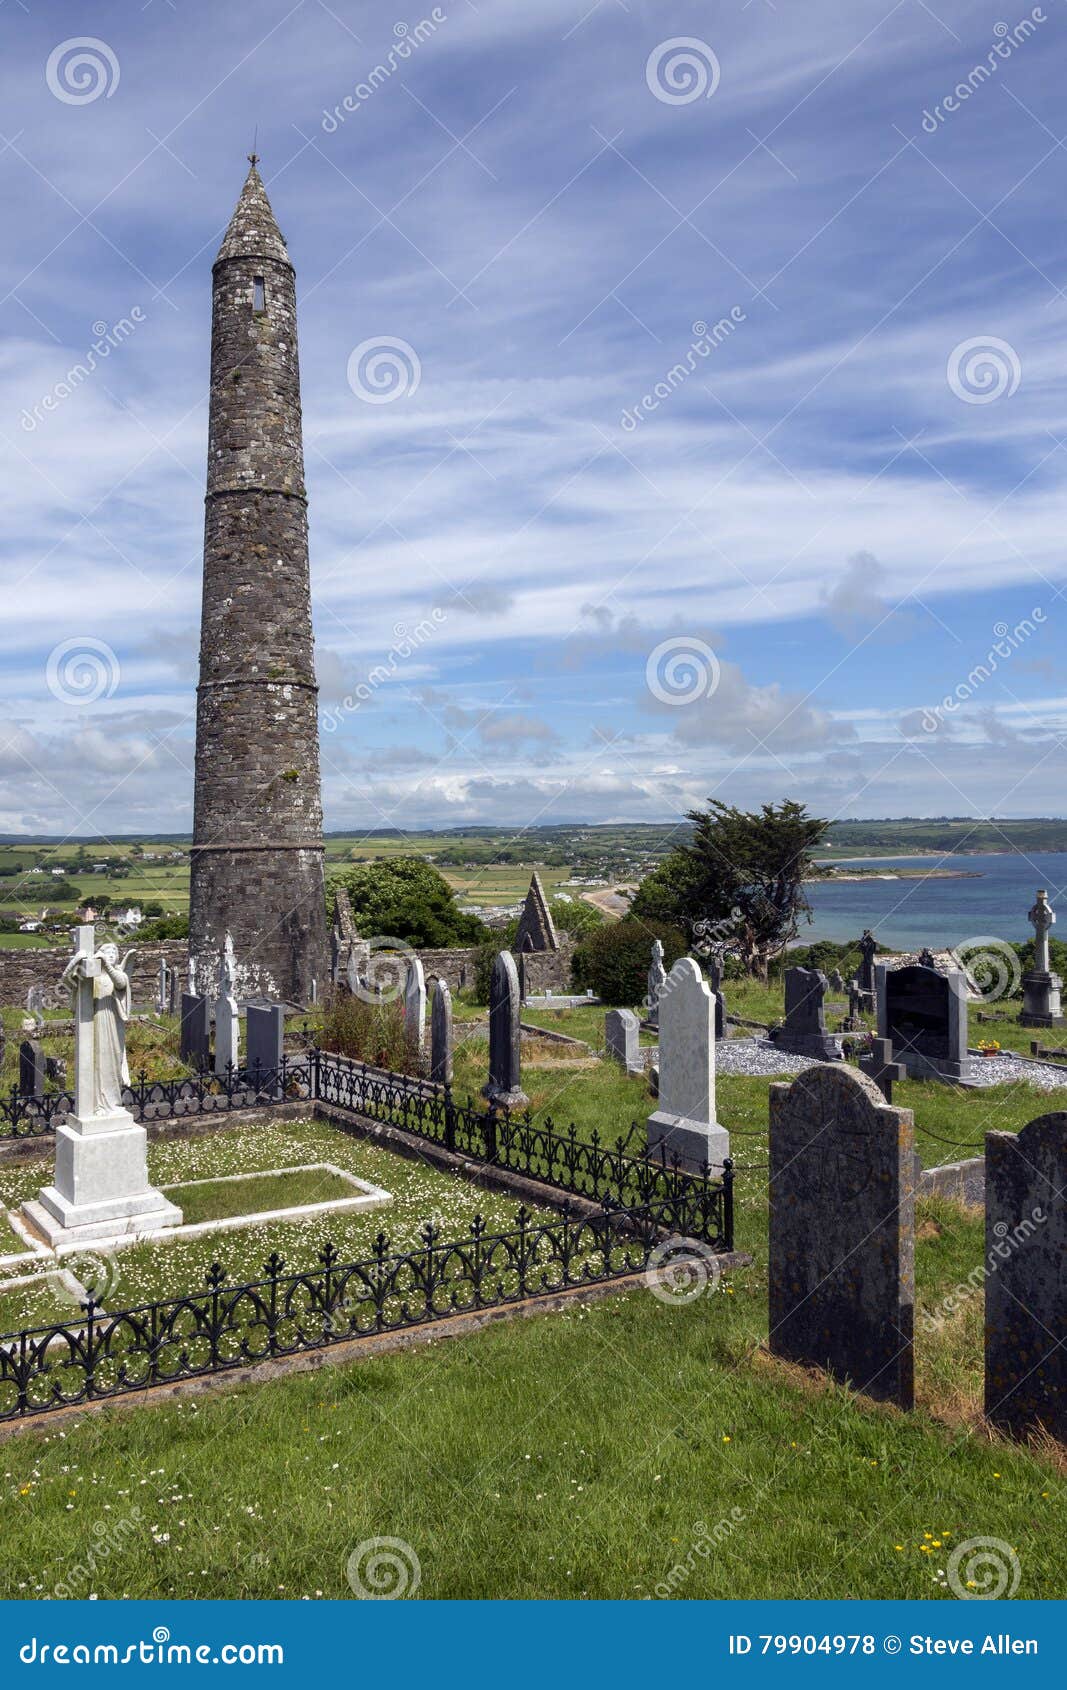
[253,232]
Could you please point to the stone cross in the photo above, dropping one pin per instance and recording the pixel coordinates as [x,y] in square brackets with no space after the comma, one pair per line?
[684,1124]
[163,987]
[657,975]
[1026,1247]
[878,1065]
[1041,918]
[842,1231]
[415,1004]
[868,949]
[441,1034]
[622,1038]
[504,1086]
[83,970]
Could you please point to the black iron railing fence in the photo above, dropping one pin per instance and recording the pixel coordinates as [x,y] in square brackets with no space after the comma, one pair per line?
[224,1327]
[632,1204]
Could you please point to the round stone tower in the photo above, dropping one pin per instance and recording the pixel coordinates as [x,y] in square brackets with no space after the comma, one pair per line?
[257,857]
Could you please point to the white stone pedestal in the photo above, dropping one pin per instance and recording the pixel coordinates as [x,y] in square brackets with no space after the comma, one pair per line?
[101,1188]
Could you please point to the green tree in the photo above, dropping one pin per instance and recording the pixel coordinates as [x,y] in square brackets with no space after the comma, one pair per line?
[614,959]
[575,916]
[740,880]
[406,898]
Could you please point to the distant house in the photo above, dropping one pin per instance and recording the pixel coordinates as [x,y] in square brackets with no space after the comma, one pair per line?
[100,868]
[29,926]
[59,871]
[87,914]
[132,917]
[35,871]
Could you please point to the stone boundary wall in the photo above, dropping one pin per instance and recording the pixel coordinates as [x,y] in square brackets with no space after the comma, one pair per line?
[19,970]
[455,967]
[963,1181]
[547,971]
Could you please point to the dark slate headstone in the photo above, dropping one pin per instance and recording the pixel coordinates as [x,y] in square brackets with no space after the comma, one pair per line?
[264,1037]
[842,1231]
[1026,1278]
[31,1069]
[714,972]
[923,1012]
[804,1031]
[441,1034]
[622,1038]
[195,1038]
[504,1086]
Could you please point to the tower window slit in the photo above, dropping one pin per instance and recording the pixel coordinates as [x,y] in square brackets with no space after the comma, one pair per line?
[259,294]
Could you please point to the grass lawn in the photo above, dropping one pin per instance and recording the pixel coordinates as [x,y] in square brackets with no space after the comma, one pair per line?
[254,1194]
[586,1453]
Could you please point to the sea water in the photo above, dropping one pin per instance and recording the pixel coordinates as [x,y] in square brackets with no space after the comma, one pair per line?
[907,914]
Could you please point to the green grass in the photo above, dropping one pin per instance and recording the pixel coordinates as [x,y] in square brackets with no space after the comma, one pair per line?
[585,1453]
[43,1302]
[254,1194]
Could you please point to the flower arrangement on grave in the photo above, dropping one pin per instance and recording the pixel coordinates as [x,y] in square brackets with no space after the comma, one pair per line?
[989,1047]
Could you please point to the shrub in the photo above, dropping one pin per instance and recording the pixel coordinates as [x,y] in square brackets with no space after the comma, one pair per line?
[370,1032]
[406,898]
[614,960]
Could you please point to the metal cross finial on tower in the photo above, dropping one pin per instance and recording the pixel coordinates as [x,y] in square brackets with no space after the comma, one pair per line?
[253,156]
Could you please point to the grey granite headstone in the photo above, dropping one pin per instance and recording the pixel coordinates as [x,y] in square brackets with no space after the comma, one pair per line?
[195,1038]
[684,1124]
[842,1231]
[31,1069]
[504,1086]
[1026,1278]
[264,1037]
[415,1004]
[622,1038]
[804,1030]
[865,972]
[441,1034]
[923,1012]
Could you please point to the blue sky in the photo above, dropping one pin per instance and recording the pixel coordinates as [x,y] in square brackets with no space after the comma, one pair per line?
[586,605]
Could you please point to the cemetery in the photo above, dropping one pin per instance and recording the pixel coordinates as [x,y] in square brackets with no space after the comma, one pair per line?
[549,1245]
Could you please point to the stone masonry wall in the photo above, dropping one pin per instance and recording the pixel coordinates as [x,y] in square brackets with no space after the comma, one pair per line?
[19,970]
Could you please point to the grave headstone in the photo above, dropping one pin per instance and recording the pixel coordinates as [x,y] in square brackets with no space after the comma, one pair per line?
[715,972]
[504,1086]
[803,1032]
[415,1004]
[195,1038]
[684,1124]
[842,1231]
[35,1006]
[1041,987]
[264,1038]
[441,1034]
[32,1069]
[163,987]
[923,1013]
[879,1066]
[657,975]
[865,972]
[227,1015]
[622,1039]
[837,981]
[100,1189]
[1026,1286]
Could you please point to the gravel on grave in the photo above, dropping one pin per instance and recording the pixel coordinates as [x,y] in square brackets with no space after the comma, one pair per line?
[760,1057]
